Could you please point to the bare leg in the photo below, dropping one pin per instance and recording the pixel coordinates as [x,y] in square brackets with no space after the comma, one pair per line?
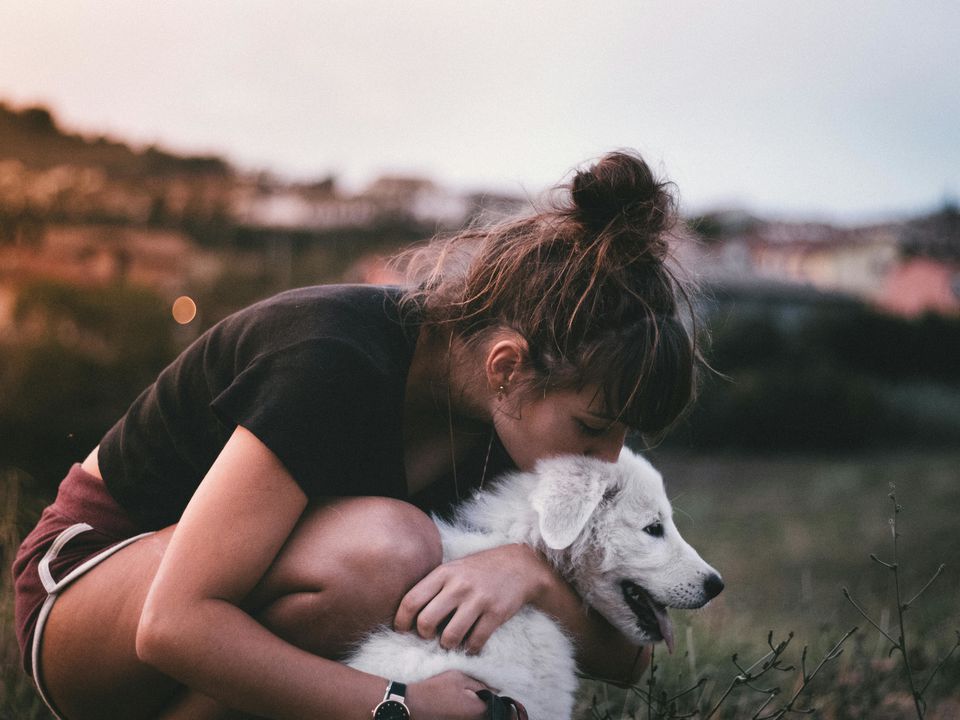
[344,570]
[191,705]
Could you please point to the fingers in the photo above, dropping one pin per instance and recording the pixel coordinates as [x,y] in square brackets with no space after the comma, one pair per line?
[481,632]
[473,685]
[458,614]
[431,602]
[415,600]
[458,627]
[449,695]
[463,620]
[442,608]
[460,594]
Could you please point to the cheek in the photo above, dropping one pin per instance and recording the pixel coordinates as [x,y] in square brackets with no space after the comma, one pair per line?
[539,433]
[557,435]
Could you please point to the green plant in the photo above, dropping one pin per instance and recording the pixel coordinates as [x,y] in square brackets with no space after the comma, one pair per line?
[899,645]
[660,700]
[18,700]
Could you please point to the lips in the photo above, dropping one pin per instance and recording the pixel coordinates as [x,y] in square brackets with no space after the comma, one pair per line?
[651,616]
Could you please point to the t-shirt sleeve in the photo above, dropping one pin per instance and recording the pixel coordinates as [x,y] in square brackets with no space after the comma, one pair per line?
[308,404]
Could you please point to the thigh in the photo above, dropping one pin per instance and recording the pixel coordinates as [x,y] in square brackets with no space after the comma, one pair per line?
[88,659]
[344,568]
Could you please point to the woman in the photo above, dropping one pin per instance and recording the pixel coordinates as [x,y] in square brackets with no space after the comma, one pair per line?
[260,505]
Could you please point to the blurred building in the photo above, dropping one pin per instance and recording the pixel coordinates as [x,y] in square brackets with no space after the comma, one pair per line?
[917,285]
[903,268]
[388,199]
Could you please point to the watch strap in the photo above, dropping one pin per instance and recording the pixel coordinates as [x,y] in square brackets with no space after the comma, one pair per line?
[394,704]
[395,691]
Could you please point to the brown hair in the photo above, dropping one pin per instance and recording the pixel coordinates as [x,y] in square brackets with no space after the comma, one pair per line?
[588,282]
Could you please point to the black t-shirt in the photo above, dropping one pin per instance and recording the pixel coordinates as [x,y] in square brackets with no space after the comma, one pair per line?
[317,374]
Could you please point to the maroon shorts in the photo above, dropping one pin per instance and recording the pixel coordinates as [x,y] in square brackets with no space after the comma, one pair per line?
[83,526]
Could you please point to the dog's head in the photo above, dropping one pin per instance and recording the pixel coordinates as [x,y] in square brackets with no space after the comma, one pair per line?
[609,527]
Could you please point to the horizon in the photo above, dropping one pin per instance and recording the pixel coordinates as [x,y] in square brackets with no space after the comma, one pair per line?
[841,114]
[355,188]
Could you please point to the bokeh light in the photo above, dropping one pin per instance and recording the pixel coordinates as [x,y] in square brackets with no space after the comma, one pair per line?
[184,309]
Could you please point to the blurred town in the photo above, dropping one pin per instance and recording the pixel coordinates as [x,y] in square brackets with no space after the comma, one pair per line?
[93,210]
[99,239]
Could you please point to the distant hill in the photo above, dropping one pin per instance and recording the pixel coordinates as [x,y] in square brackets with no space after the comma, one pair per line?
[33,136]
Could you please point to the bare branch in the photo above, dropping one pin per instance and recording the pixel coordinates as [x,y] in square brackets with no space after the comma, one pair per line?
[756,715]
[831,654]
[846,594]
[940,665]
[909,602]
[889,566]
[736,681]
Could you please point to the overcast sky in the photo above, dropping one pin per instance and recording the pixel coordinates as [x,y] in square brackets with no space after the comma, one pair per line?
[837,109]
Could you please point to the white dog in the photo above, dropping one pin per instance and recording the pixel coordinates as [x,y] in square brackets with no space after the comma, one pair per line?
[608,529]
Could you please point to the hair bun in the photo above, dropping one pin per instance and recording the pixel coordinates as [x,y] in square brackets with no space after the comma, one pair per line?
[622,190]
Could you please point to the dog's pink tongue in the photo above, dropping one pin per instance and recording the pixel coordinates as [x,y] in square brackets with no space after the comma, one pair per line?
[666,627]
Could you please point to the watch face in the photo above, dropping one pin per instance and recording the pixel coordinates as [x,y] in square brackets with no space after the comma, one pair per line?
[391,710]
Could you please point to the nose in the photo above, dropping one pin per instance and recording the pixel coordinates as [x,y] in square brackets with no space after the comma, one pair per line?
[713,585]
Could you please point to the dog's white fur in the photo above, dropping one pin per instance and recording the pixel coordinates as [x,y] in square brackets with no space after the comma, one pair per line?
[597,523]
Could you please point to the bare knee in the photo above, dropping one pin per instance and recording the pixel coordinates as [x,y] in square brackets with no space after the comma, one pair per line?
[400,545]
[370,546]
[345,570]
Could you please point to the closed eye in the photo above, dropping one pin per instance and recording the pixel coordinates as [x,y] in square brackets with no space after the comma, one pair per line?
[591,430]
[654,529]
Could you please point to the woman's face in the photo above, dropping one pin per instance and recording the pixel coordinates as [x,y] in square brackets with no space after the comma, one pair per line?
[561,422]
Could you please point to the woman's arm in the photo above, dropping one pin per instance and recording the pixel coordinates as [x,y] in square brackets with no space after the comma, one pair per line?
[482,591]
[192,629]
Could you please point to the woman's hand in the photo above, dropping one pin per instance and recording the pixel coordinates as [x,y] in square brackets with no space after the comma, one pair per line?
[474,595]
[451,695]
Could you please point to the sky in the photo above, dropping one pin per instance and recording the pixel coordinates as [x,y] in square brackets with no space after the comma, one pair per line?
[829,110]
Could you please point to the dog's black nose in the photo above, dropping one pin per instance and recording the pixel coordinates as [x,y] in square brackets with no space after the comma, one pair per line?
[712,586]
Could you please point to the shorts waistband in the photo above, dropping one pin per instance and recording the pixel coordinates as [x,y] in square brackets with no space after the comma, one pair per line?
[85,496]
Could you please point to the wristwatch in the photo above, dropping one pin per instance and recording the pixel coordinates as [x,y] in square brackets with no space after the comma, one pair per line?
[392,707]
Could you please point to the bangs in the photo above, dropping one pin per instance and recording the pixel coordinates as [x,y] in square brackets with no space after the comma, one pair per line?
[645,373]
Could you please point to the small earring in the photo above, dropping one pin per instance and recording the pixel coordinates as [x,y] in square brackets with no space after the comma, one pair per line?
[501,391]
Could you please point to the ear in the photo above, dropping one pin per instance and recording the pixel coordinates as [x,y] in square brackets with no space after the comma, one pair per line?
[505,356]
[569,490]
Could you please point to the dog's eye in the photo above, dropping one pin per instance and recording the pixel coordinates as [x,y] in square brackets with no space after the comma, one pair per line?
[654,529]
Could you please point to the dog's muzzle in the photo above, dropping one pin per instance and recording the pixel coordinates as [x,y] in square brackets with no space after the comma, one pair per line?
[651,616]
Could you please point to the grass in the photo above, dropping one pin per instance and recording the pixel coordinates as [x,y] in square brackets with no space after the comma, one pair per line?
[917,685]
[788,534]
[18,701]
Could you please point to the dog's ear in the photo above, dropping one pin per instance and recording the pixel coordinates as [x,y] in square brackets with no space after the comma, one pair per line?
[568,491]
